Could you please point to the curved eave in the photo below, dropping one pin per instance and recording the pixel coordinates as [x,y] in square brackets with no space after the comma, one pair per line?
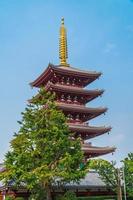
[92,151]
[75,71]
[51,69]
[89,94]
[87,132]
[43,78]
[75,109]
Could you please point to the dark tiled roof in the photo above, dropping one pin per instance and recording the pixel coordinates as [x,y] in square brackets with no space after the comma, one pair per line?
[92,180]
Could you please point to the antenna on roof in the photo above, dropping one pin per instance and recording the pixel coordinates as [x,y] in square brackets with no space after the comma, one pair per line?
[63,54]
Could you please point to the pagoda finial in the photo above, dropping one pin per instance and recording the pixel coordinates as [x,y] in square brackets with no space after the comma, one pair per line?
[63,55]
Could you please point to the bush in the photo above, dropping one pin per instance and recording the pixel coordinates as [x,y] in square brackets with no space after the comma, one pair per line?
[19,198]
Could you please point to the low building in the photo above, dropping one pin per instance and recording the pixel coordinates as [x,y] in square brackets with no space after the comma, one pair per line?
[91,185]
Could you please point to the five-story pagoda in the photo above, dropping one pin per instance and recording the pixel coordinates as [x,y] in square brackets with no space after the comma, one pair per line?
[68,84]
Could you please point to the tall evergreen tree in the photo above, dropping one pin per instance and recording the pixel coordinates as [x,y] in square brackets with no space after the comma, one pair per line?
[43,152]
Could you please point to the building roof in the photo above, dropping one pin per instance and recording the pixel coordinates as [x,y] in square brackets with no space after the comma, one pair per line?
[78,91]
[91,180]
[81,109]
[84,95]
[53,70]
[73,89]
[92,151]
[88,132]
[76,70]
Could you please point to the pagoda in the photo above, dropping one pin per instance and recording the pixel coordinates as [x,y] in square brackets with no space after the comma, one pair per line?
[68,84]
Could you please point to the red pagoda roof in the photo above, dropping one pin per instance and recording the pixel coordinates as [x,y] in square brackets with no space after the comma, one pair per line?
[92,151]
[86,132]
[53,70]
[80,109]
[89,94]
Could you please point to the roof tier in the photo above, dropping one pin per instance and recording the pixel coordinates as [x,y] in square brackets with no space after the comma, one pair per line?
[54,72]
[85,113]
[92,151]
[84,95]
[86,132]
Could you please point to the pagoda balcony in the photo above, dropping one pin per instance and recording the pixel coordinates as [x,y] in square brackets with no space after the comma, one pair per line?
[86,132]
[84,113]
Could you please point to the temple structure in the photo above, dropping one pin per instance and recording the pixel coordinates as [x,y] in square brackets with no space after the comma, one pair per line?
[68,83]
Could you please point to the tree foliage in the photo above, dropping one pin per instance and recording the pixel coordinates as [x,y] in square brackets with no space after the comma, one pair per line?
[106,170]
[43,151]
[109,172]
[128,169]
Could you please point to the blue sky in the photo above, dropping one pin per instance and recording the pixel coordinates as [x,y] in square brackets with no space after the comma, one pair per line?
[100,37]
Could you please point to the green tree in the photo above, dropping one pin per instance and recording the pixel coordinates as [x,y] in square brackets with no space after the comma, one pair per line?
[109,174]
[106,170]
[128,169]
[43,151]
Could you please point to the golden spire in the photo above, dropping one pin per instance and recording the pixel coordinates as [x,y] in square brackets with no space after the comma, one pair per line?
[63,55]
